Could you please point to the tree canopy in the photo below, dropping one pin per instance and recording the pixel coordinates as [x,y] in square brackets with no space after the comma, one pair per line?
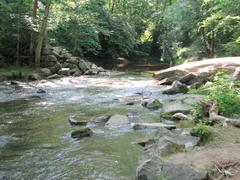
[170,30]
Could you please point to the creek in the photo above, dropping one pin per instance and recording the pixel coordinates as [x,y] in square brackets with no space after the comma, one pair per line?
[35,135]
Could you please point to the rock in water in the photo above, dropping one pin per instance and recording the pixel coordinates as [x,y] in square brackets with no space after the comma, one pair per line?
[117,120]
[41,91]
[177,87]
[153,104]
[81,133]
[139,126]
[78,121]
[64,71]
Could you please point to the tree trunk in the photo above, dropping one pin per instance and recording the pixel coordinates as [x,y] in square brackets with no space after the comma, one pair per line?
[41,35]
[32,37]
[18,35]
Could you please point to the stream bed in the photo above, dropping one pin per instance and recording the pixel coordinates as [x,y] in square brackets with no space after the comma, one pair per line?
[35,135]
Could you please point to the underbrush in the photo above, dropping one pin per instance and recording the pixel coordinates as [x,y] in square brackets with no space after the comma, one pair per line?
[223,91]
[16,72]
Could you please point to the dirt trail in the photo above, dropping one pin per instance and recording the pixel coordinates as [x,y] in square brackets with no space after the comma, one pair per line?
[222,150]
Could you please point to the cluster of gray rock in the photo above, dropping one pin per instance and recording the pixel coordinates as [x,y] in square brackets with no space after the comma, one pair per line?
[194,74]
[152,164]
[58,62]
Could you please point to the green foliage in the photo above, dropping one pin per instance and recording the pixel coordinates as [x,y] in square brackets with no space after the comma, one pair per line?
[203,131]
[226,94]
[160,175]
[14,74]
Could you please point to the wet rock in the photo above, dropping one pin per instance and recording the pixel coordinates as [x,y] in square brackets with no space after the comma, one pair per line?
[4,176]
[34,77]
[56,68]
[146,142]
[140,126]
[15,83]
[177,87]
[54,76]
[78,121]
[81,133]
[101,119]
[75,72]
[152,104]
[180,116]
[41,91]
[64,71]
[130,104]
[117,120]
[45,72]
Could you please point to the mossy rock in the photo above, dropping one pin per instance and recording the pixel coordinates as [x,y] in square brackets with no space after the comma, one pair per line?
[81,133]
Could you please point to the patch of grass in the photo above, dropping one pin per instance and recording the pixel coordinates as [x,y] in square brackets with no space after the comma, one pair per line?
[203,131]
[16,72]
[173,148]
[160,175]
[186,124]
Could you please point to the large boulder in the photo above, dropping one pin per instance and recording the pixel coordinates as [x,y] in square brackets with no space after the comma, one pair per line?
[50,60]
[55,68]
[84,65]
[73,60]
[45,72]
[117,120]
[64,71]
[201,70]
[177,87]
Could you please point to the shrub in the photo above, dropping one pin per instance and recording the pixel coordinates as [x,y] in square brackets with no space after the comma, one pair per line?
[226,94]
[203,131]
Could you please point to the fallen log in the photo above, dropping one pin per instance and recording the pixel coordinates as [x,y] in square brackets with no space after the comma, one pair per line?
[214,115]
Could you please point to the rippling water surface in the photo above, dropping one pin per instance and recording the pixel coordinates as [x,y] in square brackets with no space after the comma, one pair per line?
[35,136]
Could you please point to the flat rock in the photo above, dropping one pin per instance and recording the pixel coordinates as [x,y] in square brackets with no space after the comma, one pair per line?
[176,106]
[54,76]
[117,120]
[101,119]
[78,121]
[139,126]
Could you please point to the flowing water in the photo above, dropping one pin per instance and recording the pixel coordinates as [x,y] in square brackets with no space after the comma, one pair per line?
[35,136]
